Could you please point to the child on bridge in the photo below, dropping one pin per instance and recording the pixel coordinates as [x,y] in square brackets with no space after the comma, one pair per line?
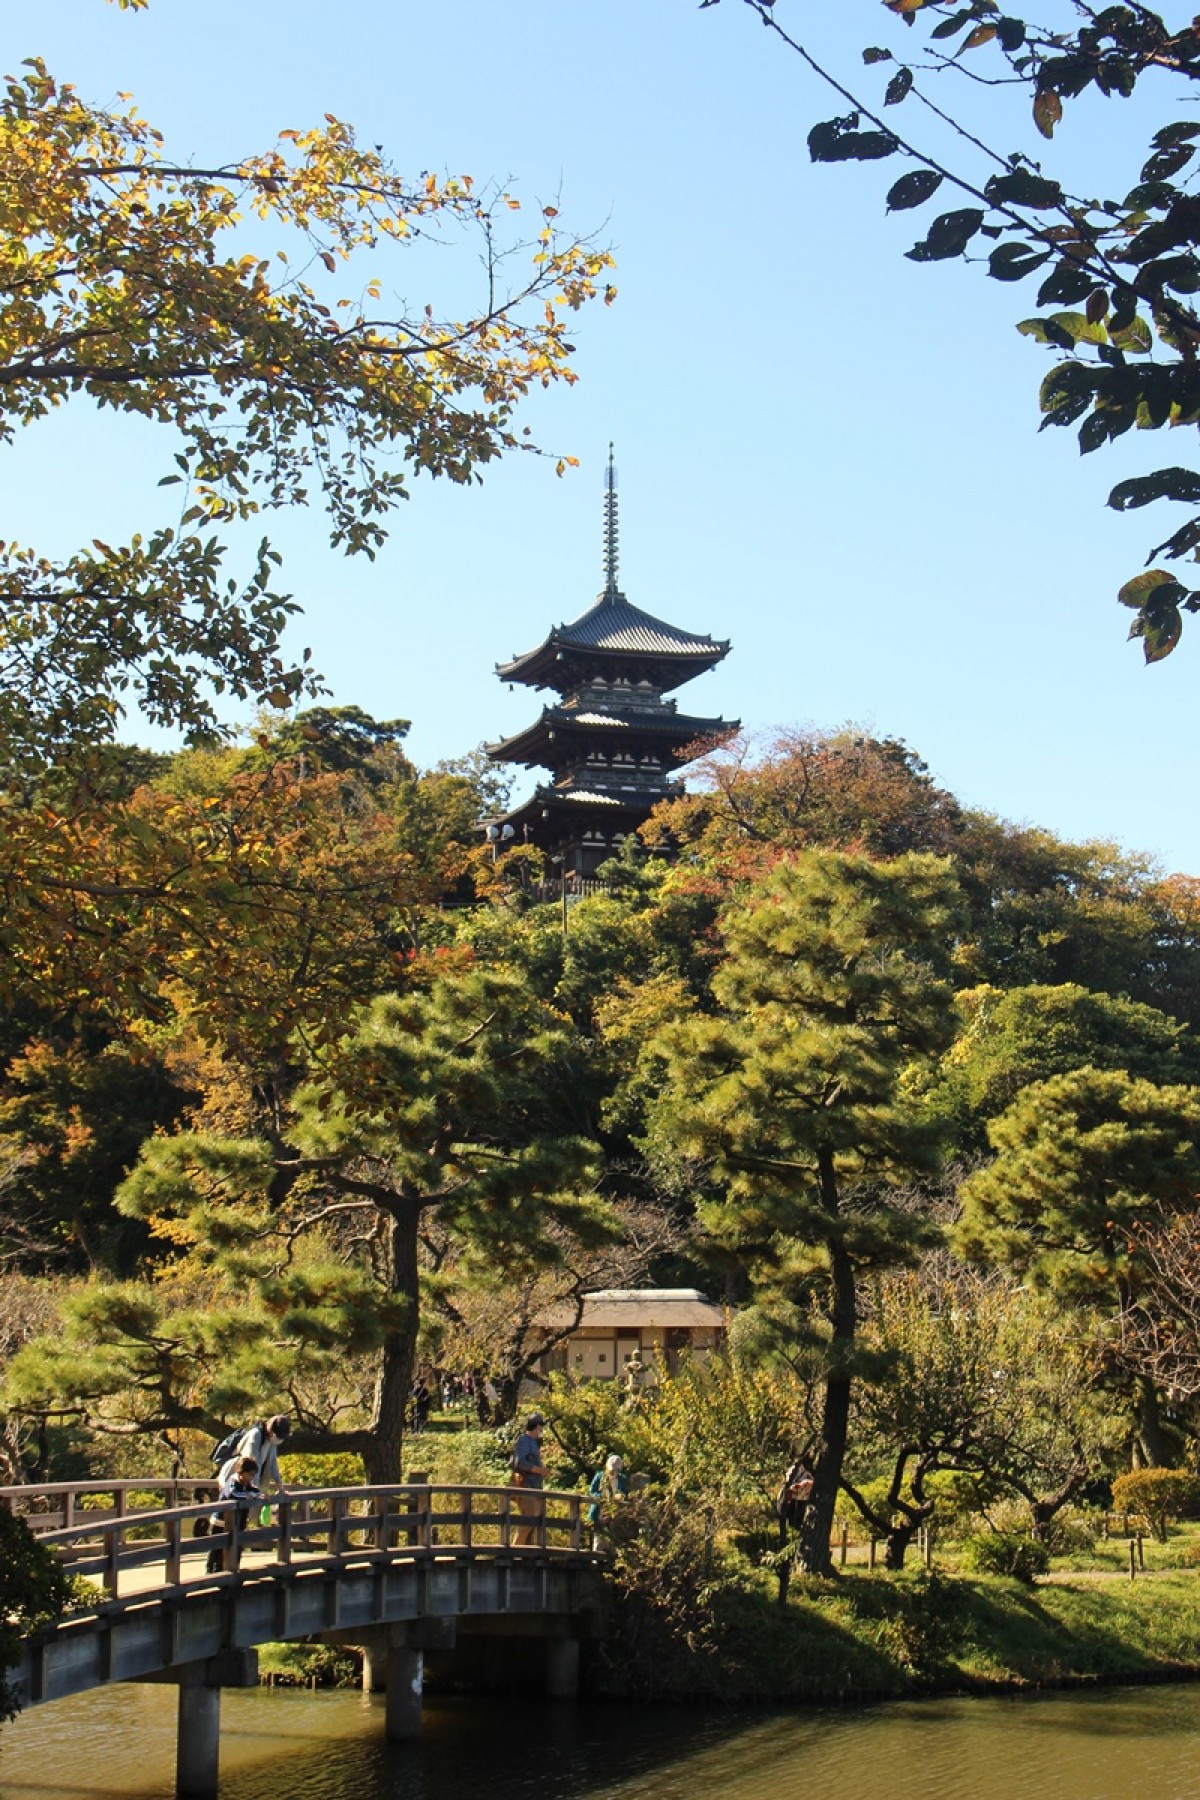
[241,1484]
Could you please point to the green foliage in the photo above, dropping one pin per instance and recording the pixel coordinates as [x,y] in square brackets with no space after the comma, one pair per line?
[995,1553]
[34,1590]
[464,1458]
[309,1665]
[72,1117]
[340,1469]
[1080,1159]
[829,990]
[587,1421]
[1012,1039]
[448,1103]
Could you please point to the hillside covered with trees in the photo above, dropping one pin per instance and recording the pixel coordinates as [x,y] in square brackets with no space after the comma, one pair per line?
[305,1093]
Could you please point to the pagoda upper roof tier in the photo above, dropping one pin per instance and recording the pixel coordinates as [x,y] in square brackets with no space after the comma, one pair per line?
[674,731]
[613,630]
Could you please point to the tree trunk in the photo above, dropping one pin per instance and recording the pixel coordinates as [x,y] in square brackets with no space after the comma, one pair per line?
[899,1538]
[1043,1509]
[393,1382]
[814,1551]
[1149,1426]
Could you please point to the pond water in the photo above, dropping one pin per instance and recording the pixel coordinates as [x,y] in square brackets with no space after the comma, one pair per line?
[118,1744]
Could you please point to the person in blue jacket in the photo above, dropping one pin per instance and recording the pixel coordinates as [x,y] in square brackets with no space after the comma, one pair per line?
[607,1485]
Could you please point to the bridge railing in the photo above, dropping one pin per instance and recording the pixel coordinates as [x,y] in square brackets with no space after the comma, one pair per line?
[311,1526]
[57,1505]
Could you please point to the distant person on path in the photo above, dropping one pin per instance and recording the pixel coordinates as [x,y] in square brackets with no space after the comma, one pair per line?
[607,1485]
[528,1474]
[240,1484]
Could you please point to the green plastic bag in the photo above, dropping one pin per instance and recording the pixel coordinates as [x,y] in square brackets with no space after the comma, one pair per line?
[264,1517]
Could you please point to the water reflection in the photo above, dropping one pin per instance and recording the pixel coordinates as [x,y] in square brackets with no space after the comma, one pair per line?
[119,1745]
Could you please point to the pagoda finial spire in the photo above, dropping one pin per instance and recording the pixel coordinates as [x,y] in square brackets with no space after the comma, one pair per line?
[610,525]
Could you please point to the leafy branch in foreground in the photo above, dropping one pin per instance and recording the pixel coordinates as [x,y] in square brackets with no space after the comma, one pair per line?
[1116,277]
[199,299]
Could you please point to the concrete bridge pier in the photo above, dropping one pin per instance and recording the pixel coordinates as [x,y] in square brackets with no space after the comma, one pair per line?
[198,1735]
[562,1668]
[394,1664]
[198,1740]
[405,1693]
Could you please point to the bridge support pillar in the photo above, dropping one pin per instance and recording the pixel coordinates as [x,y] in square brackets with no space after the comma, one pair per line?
[405,1691]
[198,1737]
[562,1668]
[197,1752]
[374,1664]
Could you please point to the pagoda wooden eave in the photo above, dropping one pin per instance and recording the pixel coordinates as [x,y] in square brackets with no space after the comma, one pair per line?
[676,731]
[612,634]
[576,806]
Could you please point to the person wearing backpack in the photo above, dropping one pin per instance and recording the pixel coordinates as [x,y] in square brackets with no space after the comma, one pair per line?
[260,1441]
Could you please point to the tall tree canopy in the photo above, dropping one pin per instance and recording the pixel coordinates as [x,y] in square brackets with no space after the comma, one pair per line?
[297,1249]
[833,985]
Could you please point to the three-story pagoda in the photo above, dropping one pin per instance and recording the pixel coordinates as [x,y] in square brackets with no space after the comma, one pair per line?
[610,739]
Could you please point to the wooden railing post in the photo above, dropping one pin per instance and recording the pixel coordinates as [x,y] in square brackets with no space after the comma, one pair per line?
[174,1551]
[112,1566]
[284,1514]
[235,1540]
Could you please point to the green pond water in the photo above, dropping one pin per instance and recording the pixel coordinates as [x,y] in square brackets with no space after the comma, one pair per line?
[1112,1744]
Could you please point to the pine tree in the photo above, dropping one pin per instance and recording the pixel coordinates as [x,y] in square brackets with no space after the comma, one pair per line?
[794,1101]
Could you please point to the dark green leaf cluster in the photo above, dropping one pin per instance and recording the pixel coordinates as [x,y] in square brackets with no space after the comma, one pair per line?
[1132,265]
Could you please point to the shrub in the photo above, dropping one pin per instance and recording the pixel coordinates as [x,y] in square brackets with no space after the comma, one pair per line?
[997,1553]
[33,1590]
[341,1469]
[1161,1494]
[1073,1531]
[466,1458]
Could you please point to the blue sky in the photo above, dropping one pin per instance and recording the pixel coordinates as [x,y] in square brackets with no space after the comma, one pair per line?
[826,453]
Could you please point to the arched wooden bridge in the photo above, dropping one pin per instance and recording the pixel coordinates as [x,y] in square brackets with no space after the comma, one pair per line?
[398,1570]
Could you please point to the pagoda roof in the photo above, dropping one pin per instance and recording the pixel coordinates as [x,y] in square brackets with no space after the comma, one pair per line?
[578,802]
[528,746]
[612,627]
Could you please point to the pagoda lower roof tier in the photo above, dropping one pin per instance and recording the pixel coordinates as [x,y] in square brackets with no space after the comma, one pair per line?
[680,736]
[576,805]
[612,634]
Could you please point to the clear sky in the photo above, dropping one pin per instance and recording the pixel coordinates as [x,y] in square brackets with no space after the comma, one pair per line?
[826,453]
